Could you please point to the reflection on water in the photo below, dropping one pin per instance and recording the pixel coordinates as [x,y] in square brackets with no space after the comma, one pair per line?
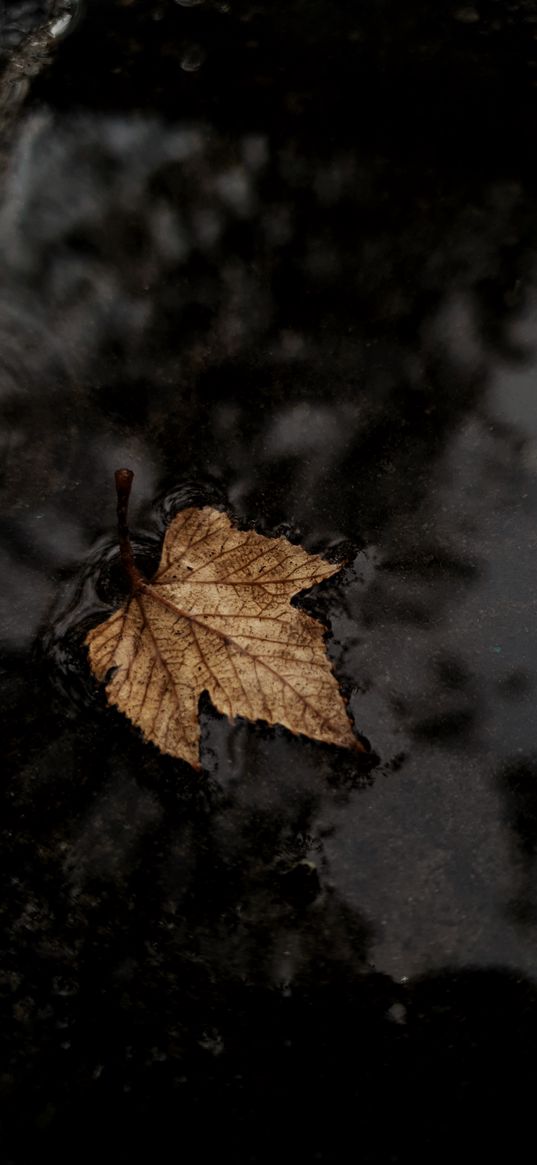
[333,335]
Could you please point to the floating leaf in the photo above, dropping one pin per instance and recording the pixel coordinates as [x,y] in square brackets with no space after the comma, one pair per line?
[217,618]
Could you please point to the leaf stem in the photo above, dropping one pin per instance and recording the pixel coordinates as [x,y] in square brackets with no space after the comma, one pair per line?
[124,478]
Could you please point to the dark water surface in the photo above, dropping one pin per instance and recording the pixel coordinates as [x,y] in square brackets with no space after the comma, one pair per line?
[280,258]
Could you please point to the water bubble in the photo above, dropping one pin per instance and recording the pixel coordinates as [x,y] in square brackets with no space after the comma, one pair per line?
[60,26]
[192,58]
[66,20]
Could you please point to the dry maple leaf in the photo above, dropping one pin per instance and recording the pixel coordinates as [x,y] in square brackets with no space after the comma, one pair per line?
[217,617]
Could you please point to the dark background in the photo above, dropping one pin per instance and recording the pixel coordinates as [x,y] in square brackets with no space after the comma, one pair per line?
[281,258]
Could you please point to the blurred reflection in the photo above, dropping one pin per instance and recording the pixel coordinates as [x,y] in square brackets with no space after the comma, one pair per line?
[518,788]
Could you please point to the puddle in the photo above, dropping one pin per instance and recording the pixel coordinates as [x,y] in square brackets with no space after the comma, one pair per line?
[283,262]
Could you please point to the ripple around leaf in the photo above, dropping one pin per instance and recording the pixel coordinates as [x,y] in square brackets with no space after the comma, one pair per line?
[217,617]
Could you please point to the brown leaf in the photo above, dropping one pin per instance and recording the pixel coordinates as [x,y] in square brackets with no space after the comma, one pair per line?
[217,618]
